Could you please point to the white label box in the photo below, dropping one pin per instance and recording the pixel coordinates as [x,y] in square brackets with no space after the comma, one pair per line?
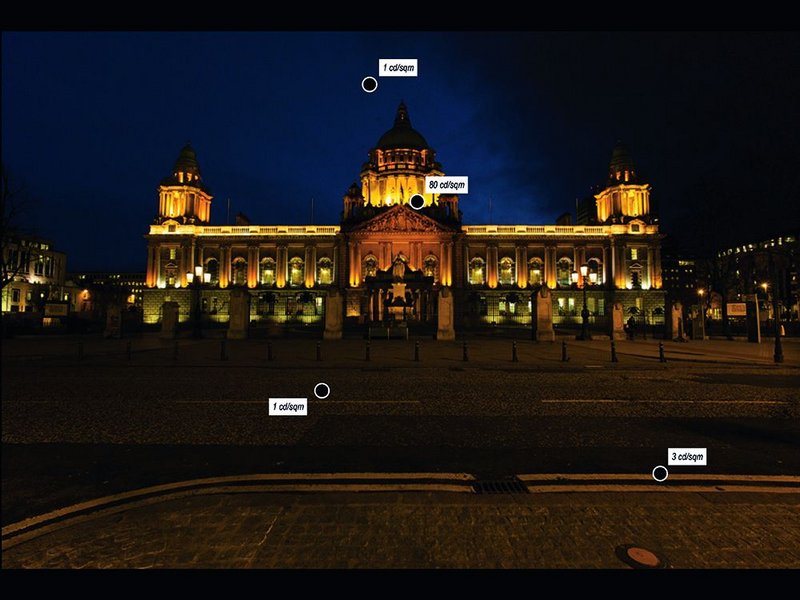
[398,67]
[288,407]
[689,457]
[446,185]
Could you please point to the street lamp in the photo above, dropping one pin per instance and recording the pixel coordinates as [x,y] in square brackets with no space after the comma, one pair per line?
[584,335]
[195,281]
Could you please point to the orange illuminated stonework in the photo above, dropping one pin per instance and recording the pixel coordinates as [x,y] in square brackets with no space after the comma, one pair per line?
[383,249]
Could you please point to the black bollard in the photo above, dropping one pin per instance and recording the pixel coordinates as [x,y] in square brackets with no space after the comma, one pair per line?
[175,351]
[223,354]
[661,357]
[128,350]
[366,352]
[514,351]
[269,350]
[319,351]
[466,356]
[614,351]
[564,357]
[416,351]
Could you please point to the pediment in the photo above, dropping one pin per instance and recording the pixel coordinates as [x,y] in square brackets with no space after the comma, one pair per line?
[400,219]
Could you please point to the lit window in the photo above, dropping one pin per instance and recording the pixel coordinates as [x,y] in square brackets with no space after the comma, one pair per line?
[564,272]
[429,267]
[324,271]
[477,273]
[296,272]
[173,253]
[369,266]
[267,271]
[634,254]
[535,271]
[239,271]
[506,275]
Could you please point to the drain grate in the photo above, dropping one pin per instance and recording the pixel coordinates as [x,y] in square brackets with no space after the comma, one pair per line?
[500,486]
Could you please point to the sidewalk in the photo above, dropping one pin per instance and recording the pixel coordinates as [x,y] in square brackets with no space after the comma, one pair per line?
[150,349]
[426,530]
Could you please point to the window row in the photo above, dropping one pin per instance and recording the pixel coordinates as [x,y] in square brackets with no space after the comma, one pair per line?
[506,271]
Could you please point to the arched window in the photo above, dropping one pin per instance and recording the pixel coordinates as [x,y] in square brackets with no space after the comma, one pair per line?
[212,268]
[564,272]
[477,271]
[267,272]
[430,267]
[171,274]
[596,267]
[325,271]
[296,272]
[535,271]
[506,274]
[239,271]
[369,266]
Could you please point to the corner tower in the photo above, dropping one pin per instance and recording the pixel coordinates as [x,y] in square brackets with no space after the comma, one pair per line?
[625,195]
[183,197]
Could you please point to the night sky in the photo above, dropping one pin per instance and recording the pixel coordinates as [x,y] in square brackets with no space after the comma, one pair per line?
[93,121]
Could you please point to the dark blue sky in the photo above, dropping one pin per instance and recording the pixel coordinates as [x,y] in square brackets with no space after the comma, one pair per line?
[92,122]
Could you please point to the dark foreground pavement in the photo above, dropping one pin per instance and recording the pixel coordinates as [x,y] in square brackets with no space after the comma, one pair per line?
[424,530]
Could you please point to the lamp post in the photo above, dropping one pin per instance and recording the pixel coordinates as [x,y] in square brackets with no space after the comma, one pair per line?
[195,281]
[702,310]
[584,335]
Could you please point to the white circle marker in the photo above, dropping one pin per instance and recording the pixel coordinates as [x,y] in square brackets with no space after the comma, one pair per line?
[369,84]
[322,390]
[666,473]
[416,201]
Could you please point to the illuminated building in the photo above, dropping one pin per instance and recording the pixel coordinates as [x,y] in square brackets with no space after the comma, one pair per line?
[381,240]
[36,275]
[120,287]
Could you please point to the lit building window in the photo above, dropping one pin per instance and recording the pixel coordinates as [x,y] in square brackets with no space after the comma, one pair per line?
[369,266]
[430,267]
[212,268]
[477,271]
[239,271]
[564,272]
[535,271]
[634,254]
[267,271]
[506,274]
[296,272]
[173,253]
[324,271]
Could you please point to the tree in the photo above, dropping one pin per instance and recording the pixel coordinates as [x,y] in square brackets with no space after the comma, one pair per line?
[15,201]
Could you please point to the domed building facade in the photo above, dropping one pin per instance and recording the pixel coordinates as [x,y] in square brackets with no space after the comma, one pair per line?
[390,261]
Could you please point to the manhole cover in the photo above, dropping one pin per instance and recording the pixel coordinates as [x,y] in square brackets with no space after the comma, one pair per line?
[640,558]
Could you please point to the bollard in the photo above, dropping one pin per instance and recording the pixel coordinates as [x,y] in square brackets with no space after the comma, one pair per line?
[175,351]
[514,351]
[416,351]
[466,356]
[269,350]
[128,350]
[564,357]
[319,351]
[366,352]
[614,352]
[223,354]
[661,357]
[80,350]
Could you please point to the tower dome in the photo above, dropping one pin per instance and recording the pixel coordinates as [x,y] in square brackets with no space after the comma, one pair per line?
[621,168]
[186,170]
[402,135]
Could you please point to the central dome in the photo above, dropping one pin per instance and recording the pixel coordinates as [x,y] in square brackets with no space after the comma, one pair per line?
[402,135]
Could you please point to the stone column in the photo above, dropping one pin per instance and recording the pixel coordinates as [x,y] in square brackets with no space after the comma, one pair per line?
[550,266]
[224,260]
[491,266]
[152,276]
[445,330]
[613,274]
[239,322]
[333,316]
[542,315]
[169,320]
[310,266]
[522,266]
[649,266]
[281,258]
[617,322]
[657,280]
[183,264]
[252,266]
[604,271]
